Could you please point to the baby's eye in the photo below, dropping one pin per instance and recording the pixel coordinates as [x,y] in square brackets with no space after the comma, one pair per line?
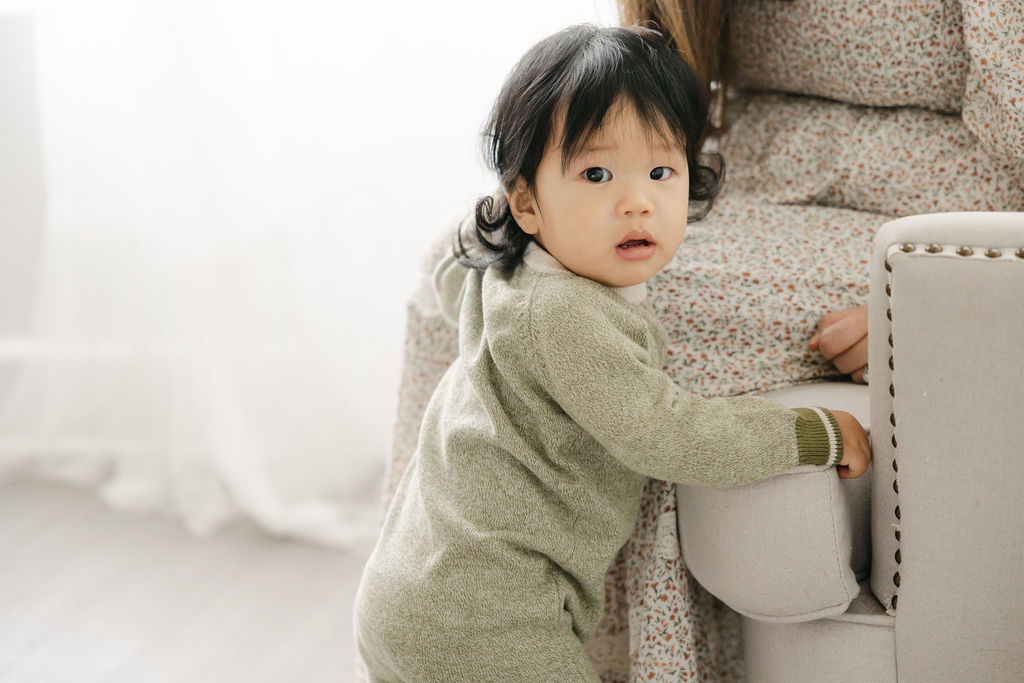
[662,173]
[597,174]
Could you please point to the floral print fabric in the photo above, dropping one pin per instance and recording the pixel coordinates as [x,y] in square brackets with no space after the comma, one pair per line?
[994,98]
[803,150]
[884,53]
[944,55]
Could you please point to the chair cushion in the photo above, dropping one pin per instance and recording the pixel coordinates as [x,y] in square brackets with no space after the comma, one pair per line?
[857,646]
[786,549]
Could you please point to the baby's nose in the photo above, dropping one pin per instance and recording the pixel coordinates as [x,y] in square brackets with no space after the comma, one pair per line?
[634,203]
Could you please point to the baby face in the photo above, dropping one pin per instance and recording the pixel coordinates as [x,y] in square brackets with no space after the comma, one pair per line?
[617,213]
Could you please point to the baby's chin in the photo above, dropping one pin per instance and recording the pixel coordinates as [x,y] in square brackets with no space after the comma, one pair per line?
[619,272]
[619,280]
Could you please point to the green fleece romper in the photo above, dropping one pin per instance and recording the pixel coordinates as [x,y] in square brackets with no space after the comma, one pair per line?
[527,478]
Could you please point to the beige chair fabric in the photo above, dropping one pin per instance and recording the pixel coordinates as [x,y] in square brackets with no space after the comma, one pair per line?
[854,647]
[948,443]
[786,549]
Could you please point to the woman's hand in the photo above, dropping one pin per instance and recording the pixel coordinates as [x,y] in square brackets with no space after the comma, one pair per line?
[856,447]
[842,337]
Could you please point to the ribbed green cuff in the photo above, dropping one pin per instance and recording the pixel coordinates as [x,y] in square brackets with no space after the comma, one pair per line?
[818,439]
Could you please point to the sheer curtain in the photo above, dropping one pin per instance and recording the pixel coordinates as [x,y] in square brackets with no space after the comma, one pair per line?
[236,195]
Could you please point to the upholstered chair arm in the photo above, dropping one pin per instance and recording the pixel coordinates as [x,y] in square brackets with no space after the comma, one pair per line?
[790,548]
[946,362]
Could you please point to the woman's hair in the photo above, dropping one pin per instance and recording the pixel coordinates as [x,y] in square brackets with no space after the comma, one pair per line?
[698,29]
[580,73]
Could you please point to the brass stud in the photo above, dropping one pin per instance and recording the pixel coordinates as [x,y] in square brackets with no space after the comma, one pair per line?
[896,579]
[993,253]
[1019,253]
[898,556]
[895,486]
[933,249]
[965,251]
[907,248]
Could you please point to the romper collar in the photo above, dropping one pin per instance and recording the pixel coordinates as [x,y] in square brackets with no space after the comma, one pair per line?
[537,258]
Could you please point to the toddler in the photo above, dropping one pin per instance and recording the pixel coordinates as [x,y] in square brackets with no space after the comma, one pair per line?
[535,446]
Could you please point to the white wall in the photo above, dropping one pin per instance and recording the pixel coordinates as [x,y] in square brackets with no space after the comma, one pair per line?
[21,183]
[415,85]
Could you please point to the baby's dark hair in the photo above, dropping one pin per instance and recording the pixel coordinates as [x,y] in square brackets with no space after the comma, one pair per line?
[583,70]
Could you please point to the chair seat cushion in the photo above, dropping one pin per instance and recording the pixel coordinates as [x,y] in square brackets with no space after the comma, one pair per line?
[858,646]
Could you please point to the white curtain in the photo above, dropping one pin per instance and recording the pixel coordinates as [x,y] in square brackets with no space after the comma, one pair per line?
[237,194]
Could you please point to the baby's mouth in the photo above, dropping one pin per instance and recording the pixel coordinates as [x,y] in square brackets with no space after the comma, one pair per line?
[638,246]
[636,238]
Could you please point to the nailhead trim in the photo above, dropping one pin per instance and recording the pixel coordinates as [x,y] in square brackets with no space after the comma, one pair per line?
[906,249]
[961,250]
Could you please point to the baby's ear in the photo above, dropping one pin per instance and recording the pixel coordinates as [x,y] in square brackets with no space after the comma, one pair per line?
[524,207]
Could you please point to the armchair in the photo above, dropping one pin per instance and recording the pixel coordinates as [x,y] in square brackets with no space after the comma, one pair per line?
[915,572]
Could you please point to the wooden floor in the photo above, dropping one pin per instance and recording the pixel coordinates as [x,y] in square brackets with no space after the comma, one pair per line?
[87,594]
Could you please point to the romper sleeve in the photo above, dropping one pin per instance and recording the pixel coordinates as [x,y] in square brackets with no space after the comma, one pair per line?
[449,279]
[993,107]
[603,378]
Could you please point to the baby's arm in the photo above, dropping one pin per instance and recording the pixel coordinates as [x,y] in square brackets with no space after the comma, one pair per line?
[602,378]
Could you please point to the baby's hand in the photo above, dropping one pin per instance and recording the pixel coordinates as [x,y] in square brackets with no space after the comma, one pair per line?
[856,447]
